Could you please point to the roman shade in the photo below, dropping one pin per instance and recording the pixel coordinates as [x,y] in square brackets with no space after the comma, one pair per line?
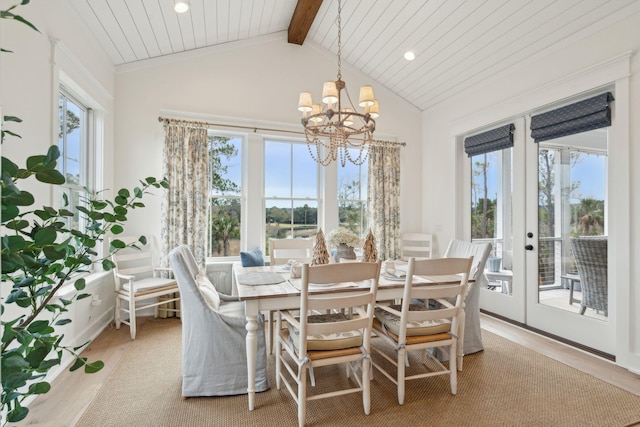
[592,113]
[492,140]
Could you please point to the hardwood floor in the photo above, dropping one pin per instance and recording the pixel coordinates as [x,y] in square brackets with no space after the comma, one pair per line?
[72,392]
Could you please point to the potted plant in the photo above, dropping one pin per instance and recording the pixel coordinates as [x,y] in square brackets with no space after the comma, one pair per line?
[344,240]
[41,253]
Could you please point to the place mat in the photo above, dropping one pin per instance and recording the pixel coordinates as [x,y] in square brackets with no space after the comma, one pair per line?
[260,278]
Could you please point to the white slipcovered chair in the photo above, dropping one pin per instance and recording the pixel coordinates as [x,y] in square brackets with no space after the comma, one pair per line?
[471,335]
[214,356]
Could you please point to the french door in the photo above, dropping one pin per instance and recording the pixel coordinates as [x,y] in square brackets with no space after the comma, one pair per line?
[529,201]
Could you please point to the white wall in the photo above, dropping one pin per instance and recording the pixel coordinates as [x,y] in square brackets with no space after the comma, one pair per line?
[258,80]
[516,89]
[29,80]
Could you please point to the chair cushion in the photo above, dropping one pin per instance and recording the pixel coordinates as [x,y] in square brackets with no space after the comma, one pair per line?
[208,292]
[149,284]
[252,258]
[424,327]
[334,341]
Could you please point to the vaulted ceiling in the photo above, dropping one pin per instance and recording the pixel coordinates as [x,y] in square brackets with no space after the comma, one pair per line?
[457,43]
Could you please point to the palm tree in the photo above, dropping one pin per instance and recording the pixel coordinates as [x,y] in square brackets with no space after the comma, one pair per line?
[590,217]
[223,229]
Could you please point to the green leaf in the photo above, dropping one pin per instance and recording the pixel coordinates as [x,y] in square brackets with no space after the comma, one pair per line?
[52,254]
[80,361]
[62,322]
[53,154]
[116,229]
[91,368]
[137,192]
[12,119]
[117,244]
[17,414]
[107,264]
[9,167]
[151,180]
[39,388]
[45,236]
[143,240]
[35,161]
[17,224]
[124,193]
[37,355]
[82,296]
[38,326]
[120,200]
[51,177]
[80,284]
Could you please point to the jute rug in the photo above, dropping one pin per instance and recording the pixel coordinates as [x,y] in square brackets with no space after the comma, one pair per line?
[505,385]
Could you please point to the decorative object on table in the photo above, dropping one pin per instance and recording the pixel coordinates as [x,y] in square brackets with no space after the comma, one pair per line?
[344,240]
[320,253]
[369,249]
[328,130]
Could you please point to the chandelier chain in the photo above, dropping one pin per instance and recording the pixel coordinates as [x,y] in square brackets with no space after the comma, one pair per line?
[339,40]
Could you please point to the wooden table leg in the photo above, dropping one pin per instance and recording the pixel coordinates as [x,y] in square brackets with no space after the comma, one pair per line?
[252,350]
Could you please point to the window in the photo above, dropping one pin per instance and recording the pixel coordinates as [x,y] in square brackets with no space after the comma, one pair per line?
[491,189]
[225,193]
[291,191]
[352,196]
[73,142]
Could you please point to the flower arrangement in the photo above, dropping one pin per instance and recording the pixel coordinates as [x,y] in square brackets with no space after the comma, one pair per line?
[342,236]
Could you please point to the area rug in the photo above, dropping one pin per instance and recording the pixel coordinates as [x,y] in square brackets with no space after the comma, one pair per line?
[504,385]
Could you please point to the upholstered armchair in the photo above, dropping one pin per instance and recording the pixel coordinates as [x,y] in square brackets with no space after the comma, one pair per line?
[214,356]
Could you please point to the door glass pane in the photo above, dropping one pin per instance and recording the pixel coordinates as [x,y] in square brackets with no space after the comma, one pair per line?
[572,202]
[491,189]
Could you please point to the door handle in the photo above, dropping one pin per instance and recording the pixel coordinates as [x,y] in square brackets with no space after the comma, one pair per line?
[529,247]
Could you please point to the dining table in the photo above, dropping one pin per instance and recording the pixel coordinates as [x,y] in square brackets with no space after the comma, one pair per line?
[272,288]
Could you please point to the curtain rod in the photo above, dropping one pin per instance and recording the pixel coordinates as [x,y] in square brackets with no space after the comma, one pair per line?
[168,120]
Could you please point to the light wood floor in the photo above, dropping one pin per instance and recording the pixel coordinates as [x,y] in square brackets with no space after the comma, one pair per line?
[72,392]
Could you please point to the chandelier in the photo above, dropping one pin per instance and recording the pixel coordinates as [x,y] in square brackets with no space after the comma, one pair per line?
[335,126]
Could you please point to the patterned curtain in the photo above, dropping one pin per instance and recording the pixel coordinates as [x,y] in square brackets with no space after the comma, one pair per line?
[383,198]
[185,204]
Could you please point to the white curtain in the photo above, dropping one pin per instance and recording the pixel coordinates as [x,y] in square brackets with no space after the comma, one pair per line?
[185,204]
[383,198]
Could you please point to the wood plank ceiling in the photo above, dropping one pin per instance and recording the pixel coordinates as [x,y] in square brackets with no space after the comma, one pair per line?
[458,43]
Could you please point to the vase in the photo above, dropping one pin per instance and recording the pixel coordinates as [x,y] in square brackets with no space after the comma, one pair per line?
[345,252]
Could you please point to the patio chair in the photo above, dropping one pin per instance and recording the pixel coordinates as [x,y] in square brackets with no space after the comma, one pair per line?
[590,254]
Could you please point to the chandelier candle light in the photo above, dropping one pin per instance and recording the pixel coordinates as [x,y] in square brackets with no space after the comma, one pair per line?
[329,130]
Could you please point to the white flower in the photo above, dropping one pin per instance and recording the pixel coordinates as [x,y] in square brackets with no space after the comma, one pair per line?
[342,236]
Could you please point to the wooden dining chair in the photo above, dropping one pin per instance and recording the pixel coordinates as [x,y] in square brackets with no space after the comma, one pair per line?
[417,326]
[137,283]
[340,336]
[416,245]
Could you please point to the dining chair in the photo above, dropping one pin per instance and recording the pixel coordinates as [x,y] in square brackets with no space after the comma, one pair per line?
[137,282]
[414,325]
[214,330]
[280,252]
[590,254]
[283,250]
[341,336]
[417,245]
[470,340]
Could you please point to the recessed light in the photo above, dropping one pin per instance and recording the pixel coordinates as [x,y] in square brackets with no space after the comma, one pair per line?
[181,6]
[409,56]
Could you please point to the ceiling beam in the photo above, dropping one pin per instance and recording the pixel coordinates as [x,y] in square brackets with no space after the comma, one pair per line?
[302,19]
